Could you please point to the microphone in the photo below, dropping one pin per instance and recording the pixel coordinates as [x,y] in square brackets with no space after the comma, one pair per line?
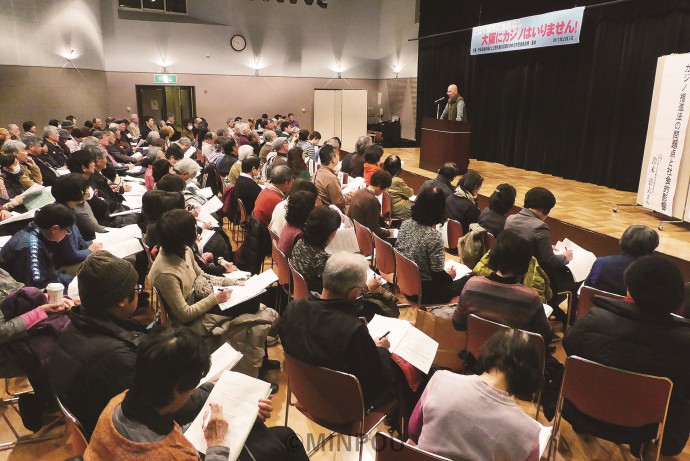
[439,100]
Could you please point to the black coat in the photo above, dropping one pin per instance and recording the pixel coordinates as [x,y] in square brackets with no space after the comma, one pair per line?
[462,210]
[619,334]
[247,190]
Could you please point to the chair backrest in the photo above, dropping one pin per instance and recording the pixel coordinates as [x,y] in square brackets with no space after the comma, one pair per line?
[275,237]
[407,276]
[386,206]
[282,267]
[384,259]
[449,340]
[330,398]
[616,396]
[162,311]
[299,285]
[242,215]
[454,230]
[479,331]
[76,430]
[489,241]
[391,449]
[586,297]
[364,239]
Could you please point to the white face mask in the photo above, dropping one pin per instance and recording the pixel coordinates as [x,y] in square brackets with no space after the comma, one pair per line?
[89,193]
[17,168]
[189,127]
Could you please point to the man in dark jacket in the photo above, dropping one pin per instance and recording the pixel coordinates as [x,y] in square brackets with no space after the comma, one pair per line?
[326,331]
[95,357]
[246,188]
[640,334]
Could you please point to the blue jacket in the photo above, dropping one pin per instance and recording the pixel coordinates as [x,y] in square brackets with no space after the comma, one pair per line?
[72,249]
[607,273]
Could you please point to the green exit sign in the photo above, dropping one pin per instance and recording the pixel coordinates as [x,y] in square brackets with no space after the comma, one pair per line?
[165,78]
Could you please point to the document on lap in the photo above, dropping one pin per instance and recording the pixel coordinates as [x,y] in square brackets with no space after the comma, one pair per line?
[407,341]
[253,287]
[460,269]
[224,358]
[582,262]
[239,397]
[121,242]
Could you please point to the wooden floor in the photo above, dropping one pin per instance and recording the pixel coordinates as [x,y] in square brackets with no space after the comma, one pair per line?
[582,204]
[585,205]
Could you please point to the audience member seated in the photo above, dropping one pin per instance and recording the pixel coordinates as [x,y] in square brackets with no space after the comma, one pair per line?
[268,198]
[154,154]
[365,207]
[372,160]
[189,293]
[155,204]
[309,255]
[639,334]
[140,423]
[493,217]
[225,162]
[160,168]
[55,152]
[32,173]
[278,216]
[297,165]
[305,145]
[246,188]
[500,297]
[28,255]
[73,190]
[106,189]
[16,181]
[353,163]
[462,205]
[508,366]
[608,272]
[420,242]
[530,224]
[35,148]
[400,192]
[267,148]
[326,331]
[299,205]
[95,357]
[326,180]
[446,175]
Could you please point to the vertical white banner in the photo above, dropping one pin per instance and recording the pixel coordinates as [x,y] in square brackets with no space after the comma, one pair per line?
[669,136]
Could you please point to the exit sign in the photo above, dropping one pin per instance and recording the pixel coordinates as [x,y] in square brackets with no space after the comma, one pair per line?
[165,78]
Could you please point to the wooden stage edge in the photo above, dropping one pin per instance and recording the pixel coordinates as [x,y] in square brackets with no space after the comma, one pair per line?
[583,212]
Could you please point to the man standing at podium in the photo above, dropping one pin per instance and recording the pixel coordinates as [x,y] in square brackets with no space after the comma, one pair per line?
[455,107]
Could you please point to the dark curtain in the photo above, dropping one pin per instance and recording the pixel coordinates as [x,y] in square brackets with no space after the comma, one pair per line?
[576,111]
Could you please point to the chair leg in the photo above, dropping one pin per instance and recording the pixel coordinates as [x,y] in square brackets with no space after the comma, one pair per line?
[322,443]
[536,417]
[361,447]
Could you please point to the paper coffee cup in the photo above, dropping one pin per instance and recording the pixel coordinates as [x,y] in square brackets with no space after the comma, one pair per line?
[55,291]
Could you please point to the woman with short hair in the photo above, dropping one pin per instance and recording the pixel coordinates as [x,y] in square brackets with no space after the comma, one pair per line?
[299,205]
[297,165]
[400,192]
[493,217]
[475,416]
[462,205]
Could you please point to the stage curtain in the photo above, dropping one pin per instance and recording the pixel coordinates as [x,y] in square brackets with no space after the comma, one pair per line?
[576,111]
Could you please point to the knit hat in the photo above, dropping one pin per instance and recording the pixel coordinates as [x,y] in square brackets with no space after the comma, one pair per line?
[655,284]
[105,280]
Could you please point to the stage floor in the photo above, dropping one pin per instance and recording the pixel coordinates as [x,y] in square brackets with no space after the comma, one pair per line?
[581,204]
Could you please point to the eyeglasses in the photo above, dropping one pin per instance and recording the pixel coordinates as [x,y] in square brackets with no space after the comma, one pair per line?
[67,231]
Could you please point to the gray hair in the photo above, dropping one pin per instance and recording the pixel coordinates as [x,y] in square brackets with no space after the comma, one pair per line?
[30,141]
[114,127]
[49,130]
[281,174]
[12,126]
[187,165]
[152,135]
[13,147]
[638,240]
[269,135]
[92,145]
[334,143]
[243,128]
[229,119]
[362,143]
[153,153]
[344,271]
[99,134]
[185,141]
[244,152]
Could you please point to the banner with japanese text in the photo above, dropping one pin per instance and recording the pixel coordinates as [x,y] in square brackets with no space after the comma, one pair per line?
[549,29]
[668,138]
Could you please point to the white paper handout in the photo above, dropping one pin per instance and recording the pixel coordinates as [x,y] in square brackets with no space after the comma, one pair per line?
[582,262]
[133,179]
[544,437]
[460,269]
[212,205]
[224,358]
[407,341]
[354,184]
[190,152]
[239,396]
[135,170]
[251,288]
[19,216]
[4,240]
[444,233]
[205,192]
[206,235]
[237,275]
[121,242]
[36,197]
[345,240]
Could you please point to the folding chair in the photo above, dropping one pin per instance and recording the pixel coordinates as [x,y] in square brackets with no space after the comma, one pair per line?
[410,282]
[614,396]
[299,285]
[384,260]
[76,430]
[240,225]
[391,449]
[479,331]
[489,241]
[454,231]
[282,268]
[332,399]
[162,311]
[364,239]
[586,301]
[449,340]
[387,209]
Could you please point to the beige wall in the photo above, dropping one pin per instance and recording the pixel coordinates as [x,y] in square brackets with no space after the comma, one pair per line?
[42,93]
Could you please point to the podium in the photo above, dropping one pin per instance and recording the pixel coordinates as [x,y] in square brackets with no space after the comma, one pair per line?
[444,141]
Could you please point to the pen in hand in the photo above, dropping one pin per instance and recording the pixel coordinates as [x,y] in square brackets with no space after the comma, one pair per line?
[387,333]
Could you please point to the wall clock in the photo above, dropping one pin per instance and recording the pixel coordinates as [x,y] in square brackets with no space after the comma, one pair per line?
[238,42]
